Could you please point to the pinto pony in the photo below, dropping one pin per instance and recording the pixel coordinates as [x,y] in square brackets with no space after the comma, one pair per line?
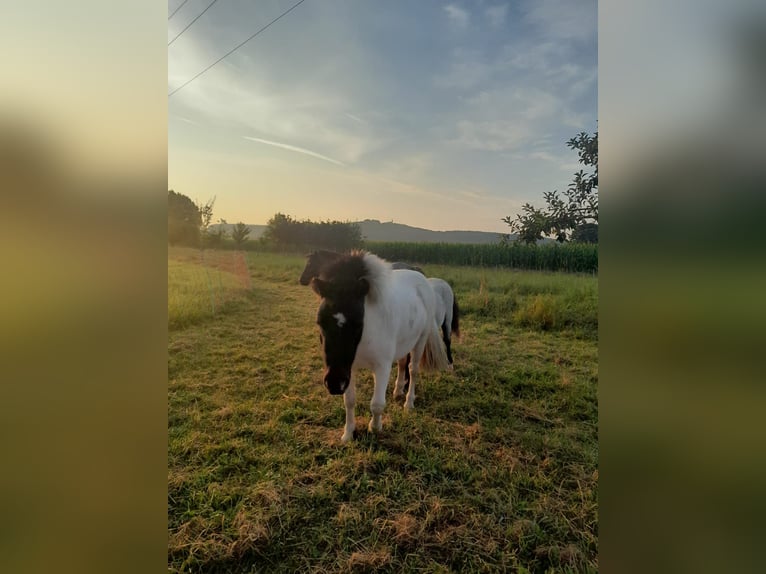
[369,317]
[447,311]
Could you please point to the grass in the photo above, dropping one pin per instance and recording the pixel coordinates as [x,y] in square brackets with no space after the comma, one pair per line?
[202,284]
[495,470]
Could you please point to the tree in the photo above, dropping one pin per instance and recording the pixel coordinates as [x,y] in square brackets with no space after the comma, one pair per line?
[184,220]
[206,216]
[571,217]
[239,233]
[285,231]
[278,229]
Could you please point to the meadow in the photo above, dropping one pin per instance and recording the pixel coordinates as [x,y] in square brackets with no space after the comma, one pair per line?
[496,470]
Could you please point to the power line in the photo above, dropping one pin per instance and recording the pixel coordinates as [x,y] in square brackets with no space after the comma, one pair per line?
[230,52]
[177,9]
[192,22]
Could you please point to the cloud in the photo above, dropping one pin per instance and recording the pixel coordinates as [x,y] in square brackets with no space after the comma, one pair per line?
[415,123]
[516,103]
[186,120]
[563,19]
[467,70]
[296,149]
[410,166]
[355,118]
[493,135]
[496,15]
[457,15]
[249,93]
[575,120]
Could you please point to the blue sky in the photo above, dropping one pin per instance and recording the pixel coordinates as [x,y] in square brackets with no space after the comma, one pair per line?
[445,115]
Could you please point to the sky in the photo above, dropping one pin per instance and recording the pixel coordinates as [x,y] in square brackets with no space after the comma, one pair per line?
[442,115]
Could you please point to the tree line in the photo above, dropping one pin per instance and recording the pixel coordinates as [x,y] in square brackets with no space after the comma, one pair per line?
[285,231]
[189,224]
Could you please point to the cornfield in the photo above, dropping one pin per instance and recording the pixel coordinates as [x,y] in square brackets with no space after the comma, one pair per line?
[570,257]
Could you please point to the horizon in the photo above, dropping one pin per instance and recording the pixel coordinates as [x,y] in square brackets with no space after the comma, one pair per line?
[446,116]
[378,221]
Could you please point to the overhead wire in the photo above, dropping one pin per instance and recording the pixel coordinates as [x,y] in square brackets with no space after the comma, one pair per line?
[177,9]
[192,22]
[237,47]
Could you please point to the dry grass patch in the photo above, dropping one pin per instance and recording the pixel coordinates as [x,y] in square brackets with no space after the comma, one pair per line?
[368,560]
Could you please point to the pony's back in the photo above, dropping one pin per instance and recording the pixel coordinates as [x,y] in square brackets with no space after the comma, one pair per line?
[445,301]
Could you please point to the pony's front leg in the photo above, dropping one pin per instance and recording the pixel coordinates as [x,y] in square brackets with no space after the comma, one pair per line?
[349,400]
[378,402]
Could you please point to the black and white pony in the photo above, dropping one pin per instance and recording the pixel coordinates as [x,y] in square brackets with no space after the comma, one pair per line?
[370,316]
[447,311]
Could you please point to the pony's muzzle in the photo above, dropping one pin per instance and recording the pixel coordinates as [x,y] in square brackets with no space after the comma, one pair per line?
[336,385]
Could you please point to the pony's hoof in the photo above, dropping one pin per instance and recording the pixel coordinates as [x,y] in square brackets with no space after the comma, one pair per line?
[450,367]
[398,395]
[408,407]
[376,429]
[347,437]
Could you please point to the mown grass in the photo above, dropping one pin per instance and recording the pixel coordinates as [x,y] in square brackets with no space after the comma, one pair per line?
[496,469]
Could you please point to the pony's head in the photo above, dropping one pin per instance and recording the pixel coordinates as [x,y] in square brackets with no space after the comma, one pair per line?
[314,263]
[343,287]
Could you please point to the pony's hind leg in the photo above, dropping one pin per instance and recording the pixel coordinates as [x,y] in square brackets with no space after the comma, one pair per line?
[378,402]
[349,400]
[409,402]
[402,376]
[417,353]
[447,338]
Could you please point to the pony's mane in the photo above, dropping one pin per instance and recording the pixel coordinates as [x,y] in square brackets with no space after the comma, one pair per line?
[360,264]
[378,273]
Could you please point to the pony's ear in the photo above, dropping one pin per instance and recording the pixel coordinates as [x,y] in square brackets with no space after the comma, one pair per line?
[318,286]
[362,287]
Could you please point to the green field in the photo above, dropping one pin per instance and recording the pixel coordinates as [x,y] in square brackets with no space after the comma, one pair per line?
[495,470]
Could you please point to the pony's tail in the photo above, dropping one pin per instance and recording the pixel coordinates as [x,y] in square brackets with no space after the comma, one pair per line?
[455,317]
[434,356]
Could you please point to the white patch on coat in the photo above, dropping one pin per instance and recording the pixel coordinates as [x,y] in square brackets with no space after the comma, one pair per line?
[340,318]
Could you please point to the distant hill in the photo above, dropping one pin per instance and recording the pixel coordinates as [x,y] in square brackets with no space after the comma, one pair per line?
[255,230]
[374,230]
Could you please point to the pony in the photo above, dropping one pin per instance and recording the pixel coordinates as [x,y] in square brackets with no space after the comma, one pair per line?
[321,258]
[447,308]
[447,317]
[370,316]
[447,313]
